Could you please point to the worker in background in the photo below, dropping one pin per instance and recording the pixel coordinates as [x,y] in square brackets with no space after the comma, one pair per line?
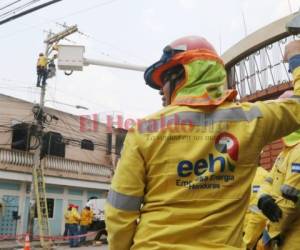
[67,222]
[86,218]
[74,220]
[41,69]
[185,172]
[102,228]
[255,222]
[281,206]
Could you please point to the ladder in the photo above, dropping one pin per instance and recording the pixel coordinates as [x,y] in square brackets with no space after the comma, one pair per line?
[41,205]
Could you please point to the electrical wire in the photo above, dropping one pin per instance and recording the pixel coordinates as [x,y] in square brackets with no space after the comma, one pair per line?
[69,129]
[100,145]
[91,37]
[26,12]
[8,5]
[71,141]
[37,91]
[13,11]
[90,157]
[94,39]
[93,7]
[100,52]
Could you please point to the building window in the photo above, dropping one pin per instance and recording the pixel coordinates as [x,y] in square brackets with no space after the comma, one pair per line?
[87,144]
[50,206]
[53,144]
[119,143]
[108,143]
[21,136]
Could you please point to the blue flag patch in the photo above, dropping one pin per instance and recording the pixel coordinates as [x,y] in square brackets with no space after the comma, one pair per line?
[255,188]
[295,167]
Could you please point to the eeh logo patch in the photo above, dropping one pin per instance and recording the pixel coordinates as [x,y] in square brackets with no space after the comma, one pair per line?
[227,143]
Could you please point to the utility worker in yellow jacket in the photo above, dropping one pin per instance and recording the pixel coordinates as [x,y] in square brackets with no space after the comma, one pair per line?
[282,205]
[74,219]
[255,221]
[85,221]
[67,222]
[184,177]
[41,69]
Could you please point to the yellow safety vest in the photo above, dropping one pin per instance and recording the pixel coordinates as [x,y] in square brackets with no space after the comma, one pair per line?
[42,61]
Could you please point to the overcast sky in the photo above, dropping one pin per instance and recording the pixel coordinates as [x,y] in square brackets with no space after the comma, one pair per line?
[133,31]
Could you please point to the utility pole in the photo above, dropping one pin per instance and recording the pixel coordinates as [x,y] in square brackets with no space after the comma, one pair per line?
[38,200]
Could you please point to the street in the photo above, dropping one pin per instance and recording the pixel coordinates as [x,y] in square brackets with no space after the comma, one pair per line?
[60,246]
[102,247]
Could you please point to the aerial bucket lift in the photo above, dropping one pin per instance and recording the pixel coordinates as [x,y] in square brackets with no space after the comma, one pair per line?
[71,58]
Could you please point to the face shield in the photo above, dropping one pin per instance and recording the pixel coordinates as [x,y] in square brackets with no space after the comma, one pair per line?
[168,53]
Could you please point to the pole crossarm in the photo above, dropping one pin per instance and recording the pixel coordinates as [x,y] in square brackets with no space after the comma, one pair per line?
[61,35]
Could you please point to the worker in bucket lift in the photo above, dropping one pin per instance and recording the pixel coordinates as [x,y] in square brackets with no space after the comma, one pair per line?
[41,69]
[185,172]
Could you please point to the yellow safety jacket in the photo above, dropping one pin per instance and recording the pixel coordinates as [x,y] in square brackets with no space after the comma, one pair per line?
[42,61]
[255,221]
[67,216]
[74,217]
[286,180]
[183,180]
[86,217]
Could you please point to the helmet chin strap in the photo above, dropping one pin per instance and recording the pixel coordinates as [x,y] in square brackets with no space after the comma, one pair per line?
[172,87]
[174,81]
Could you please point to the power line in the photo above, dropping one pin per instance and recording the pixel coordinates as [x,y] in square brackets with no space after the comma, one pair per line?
[19,8]
[29,11]
[90,157]
[126,53]
[75,132]
[88,9]
[8,5]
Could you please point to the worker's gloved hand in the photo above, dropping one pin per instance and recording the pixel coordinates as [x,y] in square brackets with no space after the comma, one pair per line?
[290,193]
[290,196]
[269,208]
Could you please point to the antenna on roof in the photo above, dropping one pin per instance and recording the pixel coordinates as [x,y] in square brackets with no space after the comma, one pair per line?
[244,23]
[290,6]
